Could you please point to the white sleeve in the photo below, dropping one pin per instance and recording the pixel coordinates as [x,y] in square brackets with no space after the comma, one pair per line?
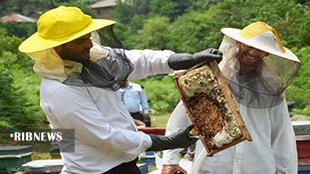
[283,140]
[148,62]
[80,113]
[178,120]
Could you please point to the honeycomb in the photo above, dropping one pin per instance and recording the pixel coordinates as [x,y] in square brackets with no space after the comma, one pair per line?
[209,108]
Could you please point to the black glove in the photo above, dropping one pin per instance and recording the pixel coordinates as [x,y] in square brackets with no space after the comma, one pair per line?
[185,60]
[180,139]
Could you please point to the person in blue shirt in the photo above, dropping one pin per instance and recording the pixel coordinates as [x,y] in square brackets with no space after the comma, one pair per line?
[136,102]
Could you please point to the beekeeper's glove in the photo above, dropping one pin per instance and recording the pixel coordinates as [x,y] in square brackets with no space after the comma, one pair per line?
[180,139]
[184,60]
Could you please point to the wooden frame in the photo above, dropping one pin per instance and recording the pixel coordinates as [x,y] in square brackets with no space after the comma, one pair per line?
[221,81]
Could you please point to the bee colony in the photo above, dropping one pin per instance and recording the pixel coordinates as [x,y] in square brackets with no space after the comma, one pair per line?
[210,106]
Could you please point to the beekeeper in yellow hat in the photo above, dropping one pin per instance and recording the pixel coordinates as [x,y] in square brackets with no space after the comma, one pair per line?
[80,90]
[257,65]
[258,68]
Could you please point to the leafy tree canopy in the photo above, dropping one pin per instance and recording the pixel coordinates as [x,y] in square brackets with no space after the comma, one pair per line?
[182,26]
[190,26]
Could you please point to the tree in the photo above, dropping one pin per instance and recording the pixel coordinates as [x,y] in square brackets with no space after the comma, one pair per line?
[19,101]
[37,7]
[13,104]
[299,90]
[193,32]
[195,28]
[160,90]
[170,9]
[153,34]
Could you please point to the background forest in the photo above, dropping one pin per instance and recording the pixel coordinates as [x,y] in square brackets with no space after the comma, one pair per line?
[179,25]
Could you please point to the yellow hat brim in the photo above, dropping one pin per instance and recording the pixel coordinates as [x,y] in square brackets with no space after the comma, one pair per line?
[37,43]
[235,34]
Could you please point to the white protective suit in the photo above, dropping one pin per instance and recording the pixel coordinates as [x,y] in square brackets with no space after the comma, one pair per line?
[105,133]
[258,95]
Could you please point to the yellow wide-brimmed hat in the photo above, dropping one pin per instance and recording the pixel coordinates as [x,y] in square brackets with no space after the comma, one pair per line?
[261,36]
[59,26]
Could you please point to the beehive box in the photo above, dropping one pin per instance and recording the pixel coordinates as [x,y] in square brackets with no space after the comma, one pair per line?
[51,166]
[210,107]
[12,157]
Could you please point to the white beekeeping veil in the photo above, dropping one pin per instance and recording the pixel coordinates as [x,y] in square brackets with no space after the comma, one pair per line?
[263,85]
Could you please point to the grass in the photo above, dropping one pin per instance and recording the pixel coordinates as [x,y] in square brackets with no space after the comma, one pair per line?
[40,156]
[159,120]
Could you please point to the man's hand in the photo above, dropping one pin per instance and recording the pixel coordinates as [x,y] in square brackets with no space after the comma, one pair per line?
[139,123]
[146,117]
[172,169]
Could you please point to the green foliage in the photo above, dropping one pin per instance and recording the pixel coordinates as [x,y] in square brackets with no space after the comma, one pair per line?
[8,43]
[21,30]
[182,26]
[18,6]
[152,35]
[126,10]
[82,4]
[19,100]
[129,14]
[13,103]
[299,90]
[195,25]
[36,7]
[198,30]
[160,90]
[303,111]
[171,9]
[193,32]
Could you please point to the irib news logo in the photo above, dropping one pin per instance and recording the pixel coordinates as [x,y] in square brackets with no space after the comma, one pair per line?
[48,136]
[41,138]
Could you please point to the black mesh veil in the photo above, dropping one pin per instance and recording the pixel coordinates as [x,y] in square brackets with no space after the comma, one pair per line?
[108,72]
[109,66]
[108,38]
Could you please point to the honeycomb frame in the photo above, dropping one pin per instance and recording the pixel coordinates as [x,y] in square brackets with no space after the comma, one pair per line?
[205,108]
